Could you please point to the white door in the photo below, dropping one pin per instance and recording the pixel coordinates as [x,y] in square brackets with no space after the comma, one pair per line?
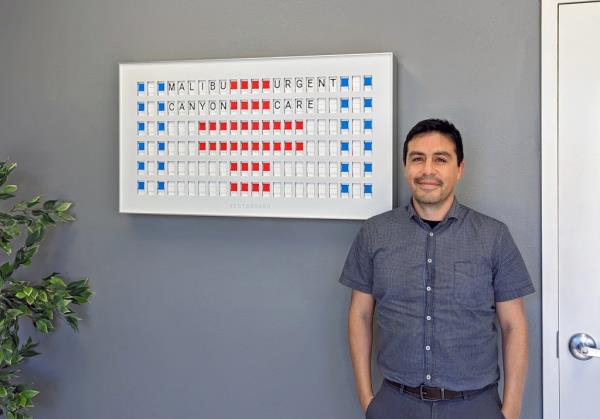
[579,206]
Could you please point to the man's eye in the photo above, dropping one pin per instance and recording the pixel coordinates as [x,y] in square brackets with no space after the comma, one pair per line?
[417,158]
[441,160]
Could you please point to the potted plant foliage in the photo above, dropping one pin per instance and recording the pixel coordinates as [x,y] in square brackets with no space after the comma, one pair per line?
[42,302]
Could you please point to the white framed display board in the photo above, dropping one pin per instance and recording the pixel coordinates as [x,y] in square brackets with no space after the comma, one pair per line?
[297,137]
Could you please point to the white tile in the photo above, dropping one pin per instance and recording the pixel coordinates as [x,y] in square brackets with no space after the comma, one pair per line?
[277,189]
[202,188]
[288,190]
[299,190]
[356,190]
[322,187]
[333,190]
[151,166]
[333,105]
[310,148]
[192,165]
[172,148]
[191,188]
[181,168]
[212,188]
[172,188]
[356,169]
[356,104]
[321,105]
[356,148]
[333,148]
[171,168]
[333,126]
[322,145]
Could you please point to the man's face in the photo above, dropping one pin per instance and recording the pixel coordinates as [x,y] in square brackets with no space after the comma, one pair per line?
[431,168]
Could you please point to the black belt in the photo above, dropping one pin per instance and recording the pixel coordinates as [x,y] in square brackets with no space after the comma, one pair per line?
[435,394]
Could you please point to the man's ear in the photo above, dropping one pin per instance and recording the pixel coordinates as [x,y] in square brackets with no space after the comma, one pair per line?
[461,169]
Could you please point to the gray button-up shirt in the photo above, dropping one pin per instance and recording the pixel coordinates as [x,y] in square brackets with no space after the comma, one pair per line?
[435,292]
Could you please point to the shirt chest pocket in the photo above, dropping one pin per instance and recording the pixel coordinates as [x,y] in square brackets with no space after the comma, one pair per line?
[473,285]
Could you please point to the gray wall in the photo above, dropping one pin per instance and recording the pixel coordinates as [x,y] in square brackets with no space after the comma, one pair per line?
[239,317]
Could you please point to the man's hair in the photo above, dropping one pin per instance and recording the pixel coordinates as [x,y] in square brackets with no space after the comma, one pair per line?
[436,125]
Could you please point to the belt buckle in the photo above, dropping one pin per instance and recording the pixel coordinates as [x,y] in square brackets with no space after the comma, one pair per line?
[424,396]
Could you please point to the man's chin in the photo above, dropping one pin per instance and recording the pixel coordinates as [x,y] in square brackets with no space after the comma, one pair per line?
[429,199]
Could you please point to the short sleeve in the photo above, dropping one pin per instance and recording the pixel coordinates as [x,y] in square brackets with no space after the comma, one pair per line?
[358,268]
[511,279]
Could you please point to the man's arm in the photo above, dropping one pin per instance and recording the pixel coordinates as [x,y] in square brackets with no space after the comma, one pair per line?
[513,323]
[360,338]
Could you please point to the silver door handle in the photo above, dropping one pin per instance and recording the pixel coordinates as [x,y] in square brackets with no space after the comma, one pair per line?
[583,347]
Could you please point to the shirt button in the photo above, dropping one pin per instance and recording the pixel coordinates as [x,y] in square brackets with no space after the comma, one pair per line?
[428,317]
[428,288]
[428,377]
[431,234]
[427,348]
[429,260]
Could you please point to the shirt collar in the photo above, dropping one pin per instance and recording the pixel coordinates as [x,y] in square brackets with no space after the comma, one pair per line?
[456,211]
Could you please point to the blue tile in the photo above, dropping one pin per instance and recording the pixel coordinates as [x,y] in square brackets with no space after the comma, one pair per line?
[344,167]
[368,81]
[368,102]
[368,124]
[161,185]
[141,87]
[141,107]
[161,126]
[344,103]
[161,165]
[345,146]
[141,126]
[344,124]
[161,106]
[344,81]
[368,146]
[140,185]
[141,165]
[368,188]
[345,188]
[161,146]
[161,86]
[368,167]
[141,146]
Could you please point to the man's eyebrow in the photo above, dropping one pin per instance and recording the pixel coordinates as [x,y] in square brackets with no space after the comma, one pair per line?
[412,153]
[442,153]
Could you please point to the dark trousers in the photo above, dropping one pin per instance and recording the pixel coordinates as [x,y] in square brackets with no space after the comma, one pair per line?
[391,403]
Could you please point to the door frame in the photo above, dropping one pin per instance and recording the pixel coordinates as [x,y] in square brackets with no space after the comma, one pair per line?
[549,163]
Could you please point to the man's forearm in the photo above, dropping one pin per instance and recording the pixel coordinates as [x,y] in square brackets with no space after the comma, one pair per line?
[360,338]
[515,353]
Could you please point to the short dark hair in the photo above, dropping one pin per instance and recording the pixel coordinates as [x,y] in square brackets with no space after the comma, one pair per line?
[436,125]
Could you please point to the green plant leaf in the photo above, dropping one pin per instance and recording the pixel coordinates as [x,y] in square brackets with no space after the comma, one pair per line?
[44,325]
[48,205]
[3,392]
[33,202]
[6,270]
[13,313]
[65,216]
[30,393]
[56,280]
[5,246]
[62,206]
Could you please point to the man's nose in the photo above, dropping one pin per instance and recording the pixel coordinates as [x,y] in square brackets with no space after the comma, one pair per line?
[428,167]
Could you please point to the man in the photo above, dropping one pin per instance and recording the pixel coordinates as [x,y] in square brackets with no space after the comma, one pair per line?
[437,273]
